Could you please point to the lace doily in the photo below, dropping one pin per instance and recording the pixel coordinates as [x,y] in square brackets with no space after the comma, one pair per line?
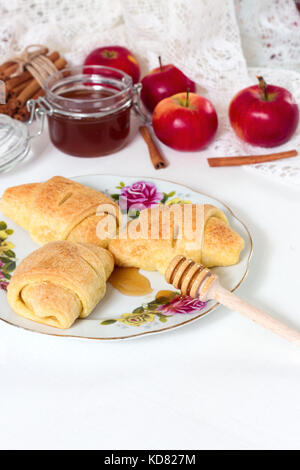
[270,32]
[221,45]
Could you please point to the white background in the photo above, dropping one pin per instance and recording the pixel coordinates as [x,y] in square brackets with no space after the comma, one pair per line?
[219,383]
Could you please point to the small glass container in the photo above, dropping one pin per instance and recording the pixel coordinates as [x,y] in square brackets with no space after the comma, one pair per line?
[15,143]
[88,109]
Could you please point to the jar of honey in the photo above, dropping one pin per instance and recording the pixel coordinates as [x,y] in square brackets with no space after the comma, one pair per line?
[88,109]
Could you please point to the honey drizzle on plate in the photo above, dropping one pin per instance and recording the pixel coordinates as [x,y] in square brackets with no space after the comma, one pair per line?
[129,281]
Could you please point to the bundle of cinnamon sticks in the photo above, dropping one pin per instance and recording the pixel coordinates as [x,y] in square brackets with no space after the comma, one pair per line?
[19,88]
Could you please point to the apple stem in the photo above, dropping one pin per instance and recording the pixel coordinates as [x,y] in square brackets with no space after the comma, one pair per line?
[187,97]
[160,63]
[263,86]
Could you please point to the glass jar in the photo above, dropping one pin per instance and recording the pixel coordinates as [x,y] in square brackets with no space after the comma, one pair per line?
[88,109]
[15,142]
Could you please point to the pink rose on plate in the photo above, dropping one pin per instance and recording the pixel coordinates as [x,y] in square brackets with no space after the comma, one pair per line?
[182,304]
[140,195]
[3,285]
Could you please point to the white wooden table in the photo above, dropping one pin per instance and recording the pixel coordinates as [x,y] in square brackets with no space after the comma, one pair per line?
[221,382]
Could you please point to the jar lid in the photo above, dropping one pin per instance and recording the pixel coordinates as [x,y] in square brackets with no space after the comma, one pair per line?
[105,91]
[14,140]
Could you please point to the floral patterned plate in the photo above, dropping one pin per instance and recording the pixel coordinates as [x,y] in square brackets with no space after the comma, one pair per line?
[118,316]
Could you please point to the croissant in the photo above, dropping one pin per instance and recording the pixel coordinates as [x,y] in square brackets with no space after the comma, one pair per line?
[215,244]
[59,209]
[60,282]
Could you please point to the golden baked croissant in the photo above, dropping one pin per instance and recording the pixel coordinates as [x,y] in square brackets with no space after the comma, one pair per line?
[60,282]
[59,209]
[215,244]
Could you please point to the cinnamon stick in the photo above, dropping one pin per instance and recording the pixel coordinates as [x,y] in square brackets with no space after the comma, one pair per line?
[34,86]
[22,114]
[3,108]
[54,56]
[28,92]
[12,104]
[4,66]
[157,159]
[9,71]
[60,63]
[24,111]
[39,93]
[17,89]
[250,159]
[19,79]
[26,75]
[7,111]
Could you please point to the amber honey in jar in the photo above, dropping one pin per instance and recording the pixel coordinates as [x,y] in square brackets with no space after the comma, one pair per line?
[89,110]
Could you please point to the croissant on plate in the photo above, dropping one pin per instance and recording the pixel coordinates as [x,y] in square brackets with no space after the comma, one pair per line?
[60,209]
[199,232]
[60,282]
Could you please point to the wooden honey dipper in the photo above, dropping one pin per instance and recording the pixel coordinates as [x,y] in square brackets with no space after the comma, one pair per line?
[199,282]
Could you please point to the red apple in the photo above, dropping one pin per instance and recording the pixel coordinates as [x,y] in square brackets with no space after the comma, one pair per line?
[116,57]
[185,121]
[264,115]
[162,82]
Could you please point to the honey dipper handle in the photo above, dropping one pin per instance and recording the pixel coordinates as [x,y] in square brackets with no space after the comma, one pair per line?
[232,301]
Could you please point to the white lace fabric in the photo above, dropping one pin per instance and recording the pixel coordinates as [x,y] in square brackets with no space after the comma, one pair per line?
[221,44]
